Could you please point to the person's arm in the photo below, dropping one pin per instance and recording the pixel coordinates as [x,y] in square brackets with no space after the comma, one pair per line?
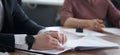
[68,20]
[75,23]
[20,2]
[94,24]
[7,42]
[67,16]
[66,11]
[49,41]
[25,27]
[23,24]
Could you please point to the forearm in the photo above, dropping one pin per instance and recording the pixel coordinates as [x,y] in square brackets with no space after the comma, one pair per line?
[8,42]
[74,23]
[23,24]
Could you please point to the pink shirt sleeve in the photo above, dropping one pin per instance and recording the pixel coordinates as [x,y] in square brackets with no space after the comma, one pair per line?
[113,14]
[66,11]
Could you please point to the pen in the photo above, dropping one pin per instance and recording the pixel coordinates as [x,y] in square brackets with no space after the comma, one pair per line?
[60,44]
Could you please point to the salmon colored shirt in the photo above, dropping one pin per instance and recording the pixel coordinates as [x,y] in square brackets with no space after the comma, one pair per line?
[83,9]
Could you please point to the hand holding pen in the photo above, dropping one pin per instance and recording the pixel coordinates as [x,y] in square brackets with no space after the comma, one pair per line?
[49,40]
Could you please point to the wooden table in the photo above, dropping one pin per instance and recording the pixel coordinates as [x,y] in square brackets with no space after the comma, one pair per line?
[109,51]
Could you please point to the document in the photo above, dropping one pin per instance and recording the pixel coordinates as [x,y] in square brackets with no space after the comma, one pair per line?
[85,41]
[4,53]
[93,33]
[115,31]
[55,52]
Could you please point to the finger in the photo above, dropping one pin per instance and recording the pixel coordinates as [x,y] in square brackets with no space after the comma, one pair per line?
[51,32]
[98,28]
[100,21]
[54,42]
[102,25]
[55,35]
[58,48]
[56,45]
[98,25]
[60,37]
[64,39]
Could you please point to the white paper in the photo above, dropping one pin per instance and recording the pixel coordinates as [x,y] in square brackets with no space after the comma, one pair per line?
[91,39]
[115,31]
[85,32]
[90,42]
[83,42]
[5,53]
[52,51]
[92,33]
[72,31]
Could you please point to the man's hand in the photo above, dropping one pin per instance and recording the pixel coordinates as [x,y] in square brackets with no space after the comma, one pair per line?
[94,24]
[49,40]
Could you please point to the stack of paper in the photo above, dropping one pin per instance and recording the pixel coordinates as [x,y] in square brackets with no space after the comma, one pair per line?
[115,31]
[83,43]
[90,43]
[5,53]
[92,33]
[51,51]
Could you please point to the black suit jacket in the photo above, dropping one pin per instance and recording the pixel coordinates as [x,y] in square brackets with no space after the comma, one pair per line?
[20,2]
[15,22]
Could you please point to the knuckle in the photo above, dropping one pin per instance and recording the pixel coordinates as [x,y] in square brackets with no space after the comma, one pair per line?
[47,37]
[56,47]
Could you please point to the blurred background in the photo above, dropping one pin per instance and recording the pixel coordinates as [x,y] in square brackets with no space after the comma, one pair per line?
[47,12]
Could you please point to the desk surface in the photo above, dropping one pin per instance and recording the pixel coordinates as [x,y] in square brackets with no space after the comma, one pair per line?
[45,2]
[111,51]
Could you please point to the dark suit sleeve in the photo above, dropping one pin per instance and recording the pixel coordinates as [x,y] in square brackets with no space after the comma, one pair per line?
[7,42]
[20,2]
[22,22]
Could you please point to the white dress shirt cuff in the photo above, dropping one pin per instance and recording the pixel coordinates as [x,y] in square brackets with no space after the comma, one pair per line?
[20,41]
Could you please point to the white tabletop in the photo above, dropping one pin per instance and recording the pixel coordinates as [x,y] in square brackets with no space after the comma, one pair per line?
[45,2]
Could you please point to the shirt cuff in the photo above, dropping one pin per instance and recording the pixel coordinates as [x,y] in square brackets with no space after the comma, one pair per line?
[20,41]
